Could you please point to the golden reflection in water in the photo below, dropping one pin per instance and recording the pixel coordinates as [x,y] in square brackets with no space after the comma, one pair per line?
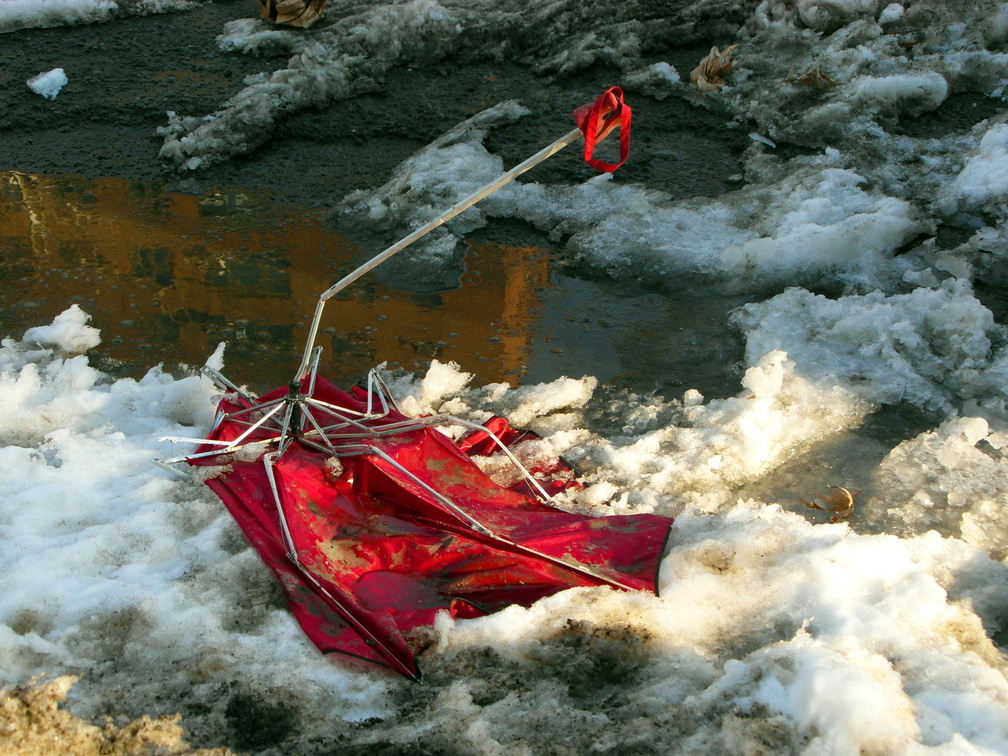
[168,276]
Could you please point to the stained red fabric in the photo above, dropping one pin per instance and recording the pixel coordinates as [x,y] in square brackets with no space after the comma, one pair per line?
[597,120]
[380,554]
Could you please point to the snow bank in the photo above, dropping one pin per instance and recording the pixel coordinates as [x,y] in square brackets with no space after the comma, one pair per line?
[346,55]
[344,60]
[26,14]
[818,224]
[931,347]
[867,86]
[667,454]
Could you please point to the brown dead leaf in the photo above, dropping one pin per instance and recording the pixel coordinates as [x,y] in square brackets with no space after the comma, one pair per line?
[707,75]
[812,77]
[301,13]
[839,502]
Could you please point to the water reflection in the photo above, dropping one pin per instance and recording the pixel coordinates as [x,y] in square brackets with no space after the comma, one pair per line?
[168,276]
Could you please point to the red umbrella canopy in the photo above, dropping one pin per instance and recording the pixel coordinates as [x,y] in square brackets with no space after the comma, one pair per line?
[373,522]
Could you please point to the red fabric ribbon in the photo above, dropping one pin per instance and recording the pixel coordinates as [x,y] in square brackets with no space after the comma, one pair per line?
[596,120]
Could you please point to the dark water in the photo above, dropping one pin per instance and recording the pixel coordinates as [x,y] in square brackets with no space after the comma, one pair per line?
[168,276]
[169,266]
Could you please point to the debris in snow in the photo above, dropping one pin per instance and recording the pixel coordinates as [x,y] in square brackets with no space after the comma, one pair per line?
[839,503]
[302,13]
[813,77]
[761,139]
[706,75]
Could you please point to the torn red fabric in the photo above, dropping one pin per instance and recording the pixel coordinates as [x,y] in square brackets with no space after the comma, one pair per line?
[597,120]
[401,523]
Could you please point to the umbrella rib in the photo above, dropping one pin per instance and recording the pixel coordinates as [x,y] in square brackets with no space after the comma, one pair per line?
[253,408]
[223,383]
[452,506]
[320,431]
[258,423]
[347,615]
[510,455]
[479,527]
[374,377]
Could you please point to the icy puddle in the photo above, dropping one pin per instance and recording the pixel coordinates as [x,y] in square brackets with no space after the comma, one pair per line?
[166,277]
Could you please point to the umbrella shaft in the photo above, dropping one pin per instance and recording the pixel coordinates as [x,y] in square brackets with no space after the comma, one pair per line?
[444,217]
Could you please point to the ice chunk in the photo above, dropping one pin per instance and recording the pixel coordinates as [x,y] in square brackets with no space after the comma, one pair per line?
[442,381]
[943,480]
[892,12]
[216,360]
[909,94]
[658,80]
[931,347]
[983,181]
[829,15]
[68,332]
[49,83]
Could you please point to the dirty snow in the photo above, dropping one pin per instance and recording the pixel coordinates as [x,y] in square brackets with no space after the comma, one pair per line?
[27,14]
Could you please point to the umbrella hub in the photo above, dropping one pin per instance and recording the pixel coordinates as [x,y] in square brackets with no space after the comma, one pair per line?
[294,401]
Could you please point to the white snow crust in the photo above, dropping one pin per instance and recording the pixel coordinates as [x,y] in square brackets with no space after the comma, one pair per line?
[28,14]
[930,347]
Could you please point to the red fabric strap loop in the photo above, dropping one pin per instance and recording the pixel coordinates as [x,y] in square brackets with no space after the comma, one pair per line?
[596,120]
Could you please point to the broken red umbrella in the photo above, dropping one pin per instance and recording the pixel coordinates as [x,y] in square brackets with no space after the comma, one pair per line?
[374,521]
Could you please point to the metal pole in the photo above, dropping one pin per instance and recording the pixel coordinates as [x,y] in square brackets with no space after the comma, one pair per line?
[446,216]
